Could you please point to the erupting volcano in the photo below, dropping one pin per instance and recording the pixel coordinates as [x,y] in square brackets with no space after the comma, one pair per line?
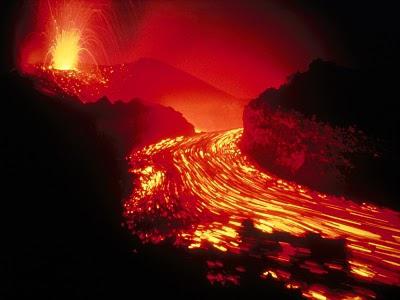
[201,191]
[91,49]
[64,50]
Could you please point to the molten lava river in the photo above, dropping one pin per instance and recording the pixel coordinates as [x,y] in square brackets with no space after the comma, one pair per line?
[202,192]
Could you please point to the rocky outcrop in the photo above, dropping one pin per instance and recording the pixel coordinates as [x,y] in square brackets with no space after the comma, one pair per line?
[312,130]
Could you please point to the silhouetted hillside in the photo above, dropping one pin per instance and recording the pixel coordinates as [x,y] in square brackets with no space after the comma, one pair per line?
[330,128]
[63,182]
[338,95]
[135,123]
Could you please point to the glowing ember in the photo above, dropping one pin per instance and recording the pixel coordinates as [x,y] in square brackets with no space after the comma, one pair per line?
[202,190]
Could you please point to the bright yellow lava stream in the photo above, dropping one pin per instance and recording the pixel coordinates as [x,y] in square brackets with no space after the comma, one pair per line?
[200,189]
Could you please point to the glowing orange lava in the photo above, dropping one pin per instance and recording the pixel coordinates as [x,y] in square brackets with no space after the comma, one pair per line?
[201,190]
[65,51]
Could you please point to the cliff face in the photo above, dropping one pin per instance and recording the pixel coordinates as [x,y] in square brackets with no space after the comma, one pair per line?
[319,130]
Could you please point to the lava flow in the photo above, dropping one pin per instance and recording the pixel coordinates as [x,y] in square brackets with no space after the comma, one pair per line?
[202,191]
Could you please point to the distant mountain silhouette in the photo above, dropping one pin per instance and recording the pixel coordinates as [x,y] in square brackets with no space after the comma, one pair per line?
[205,106]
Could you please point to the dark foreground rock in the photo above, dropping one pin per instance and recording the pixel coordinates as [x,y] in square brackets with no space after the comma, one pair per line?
[63,181]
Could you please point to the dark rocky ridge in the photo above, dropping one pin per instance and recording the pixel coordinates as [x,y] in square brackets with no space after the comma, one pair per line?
[328,128]
[63,182]
[135,123]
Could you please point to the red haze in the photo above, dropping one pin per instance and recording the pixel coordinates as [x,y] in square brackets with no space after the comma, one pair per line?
[236,48]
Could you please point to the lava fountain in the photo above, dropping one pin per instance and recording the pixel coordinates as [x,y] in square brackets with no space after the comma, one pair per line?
[73,40]
[64,50]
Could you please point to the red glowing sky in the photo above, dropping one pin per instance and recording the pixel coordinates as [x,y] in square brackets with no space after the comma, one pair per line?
[239,47]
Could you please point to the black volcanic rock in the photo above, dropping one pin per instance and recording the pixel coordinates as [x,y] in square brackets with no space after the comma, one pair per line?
[327,91]
[321,129]
[63,181]
[136,123]
[127,124]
